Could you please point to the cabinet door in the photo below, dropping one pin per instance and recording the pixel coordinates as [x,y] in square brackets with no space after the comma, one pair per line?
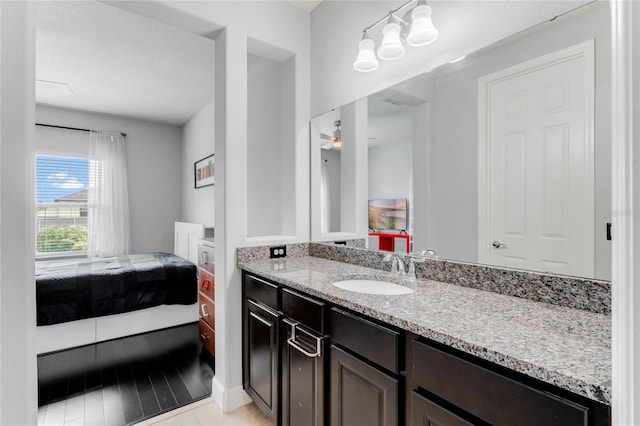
[360,393]
[302,379]
[427,413]
[261,358]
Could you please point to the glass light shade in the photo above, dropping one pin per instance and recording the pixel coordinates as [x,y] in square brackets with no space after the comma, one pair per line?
[366,60]
[422,30]
[391,47]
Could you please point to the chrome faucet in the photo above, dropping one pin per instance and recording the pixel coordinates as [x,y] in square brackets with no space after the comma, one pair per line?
[398,266]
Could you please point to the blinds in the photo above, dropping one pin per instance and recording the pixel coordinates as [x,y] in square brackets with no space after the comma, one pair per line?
[61,204]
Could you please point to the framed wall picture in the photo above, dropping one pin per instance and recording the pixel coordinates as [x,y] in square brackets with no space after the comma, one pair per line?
[203,172]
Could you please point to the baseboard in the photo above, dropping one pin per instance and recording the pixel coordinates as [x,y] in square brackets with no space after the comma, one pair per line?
[228,399]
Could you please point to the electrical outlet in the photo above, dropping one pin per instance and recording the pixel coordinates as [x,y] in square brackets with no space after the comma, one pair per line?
[277,251]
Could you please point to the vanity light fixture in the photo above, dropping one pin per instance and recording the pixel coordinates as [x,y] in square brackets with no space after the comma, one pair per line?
[391,47]
[416,26]
[366,60]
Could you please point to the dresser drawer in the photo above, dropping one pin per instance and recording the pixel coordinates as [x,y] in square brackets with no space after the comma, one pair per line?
[208,338]
[206,258]
[304,310]
[375,342]
[261,291]
[490,396]
[207,311]
[207,284]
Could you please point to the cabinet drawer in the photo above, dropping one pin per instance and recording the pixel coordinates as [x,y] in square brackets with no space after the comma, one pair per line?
[261,291]
[488,395]
[207,311]
[207,284]
[304,310]
[206,258]
[208,338]
[374,342]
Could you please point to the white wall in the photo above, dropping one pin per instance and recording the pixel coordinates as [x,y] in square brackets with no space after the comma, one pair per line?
[18,377]
[265,142]
[332,159]
[153,170]
[198,137]
[465,26]
[390,165]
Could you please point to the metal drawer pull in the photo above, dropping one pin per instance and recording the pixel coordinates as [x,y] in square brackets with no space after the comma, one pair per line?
[203,308]
[292,342]
[204,336]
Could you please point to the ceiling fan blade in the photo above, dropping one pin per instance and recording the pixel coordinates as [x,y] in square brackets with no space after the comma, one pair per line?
[326,137]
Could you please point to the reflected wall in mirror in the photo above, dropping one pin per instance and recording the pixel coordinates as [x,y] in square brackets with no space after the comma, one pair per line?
[504,156]
[338,169]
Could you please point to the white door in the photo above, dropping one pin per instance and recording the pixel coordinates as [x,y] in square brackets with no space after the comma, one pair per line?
[539,172]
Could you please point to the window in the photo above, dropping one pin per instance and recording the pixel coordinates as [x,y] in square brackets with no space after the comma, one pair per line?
[61,205]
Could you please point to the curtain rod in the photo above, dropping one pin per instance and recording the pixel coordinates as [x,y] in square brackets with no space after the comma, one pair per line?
[71,128]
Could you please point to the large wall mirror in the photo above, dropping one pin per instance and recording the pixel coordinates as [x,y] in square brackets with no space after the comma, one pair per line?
[500,158]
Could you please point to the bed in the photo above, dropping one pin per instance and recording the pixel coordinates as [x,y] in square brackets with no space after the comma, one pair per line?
[83,301]
[77,289]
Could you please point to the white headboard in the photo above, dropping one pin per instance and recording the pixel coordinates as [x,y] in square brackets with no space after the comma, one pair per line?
[186,237]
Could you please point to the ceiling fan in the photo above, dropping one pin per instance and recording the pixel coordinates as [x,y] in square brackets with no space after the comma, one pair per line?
[335,140]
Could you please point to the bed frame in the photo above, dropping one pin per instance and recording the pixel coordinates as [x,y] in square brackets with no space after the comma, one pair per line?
[57,337]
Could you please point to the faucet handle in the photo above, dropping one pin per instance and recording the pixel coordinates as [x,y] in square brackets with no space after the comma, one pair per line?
[395,265]
[411,272]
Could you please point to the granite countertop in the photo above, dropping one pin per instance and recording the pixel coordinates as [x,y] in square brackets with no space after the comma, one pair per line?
[569,348]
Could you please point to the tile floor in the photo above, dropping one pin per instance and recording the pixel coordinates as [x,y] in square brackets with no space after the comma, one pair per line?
[207,413]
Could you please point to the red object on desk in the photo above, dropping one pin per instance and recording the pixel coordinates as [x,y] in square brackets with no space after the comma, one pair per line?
[386,241]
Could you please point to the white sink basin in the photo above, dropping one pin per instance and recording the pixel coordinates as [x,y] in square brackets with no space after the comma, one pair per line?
[373,287]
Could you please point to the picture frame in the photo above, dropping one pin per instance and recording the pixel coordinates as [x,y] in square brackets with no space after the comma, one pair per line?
[203,172]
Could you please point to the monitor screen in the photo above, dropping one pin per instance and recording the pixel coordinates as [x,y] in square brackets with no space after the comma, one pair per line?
[389,214]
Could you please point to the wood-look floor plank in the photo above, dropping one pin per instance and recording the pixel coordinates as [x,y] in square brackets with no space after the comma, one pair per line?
[163,391]
[123,381]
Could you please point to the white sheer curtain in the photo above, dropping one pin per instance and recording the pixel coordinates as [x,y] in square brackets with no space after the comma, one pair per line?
[108,216]
[325,203]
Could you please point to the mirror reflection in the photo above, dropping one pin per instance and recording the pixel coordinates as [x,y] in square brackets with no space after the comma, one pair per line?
[501,158]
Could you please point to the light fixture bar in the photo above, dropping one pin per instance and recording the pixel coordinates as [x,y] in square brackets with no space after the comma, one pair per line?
[391,13]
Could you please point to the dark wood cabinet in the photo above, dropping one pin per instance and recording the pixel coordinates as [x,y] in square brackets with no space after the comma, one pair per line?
[302,377]
[261,357]
[428,413]
[306,362]
[478,392]
[360,393]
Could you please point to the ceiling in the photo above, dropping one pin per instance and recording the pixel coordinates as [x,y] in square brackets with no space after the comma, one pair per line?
[307,5]
[120,63]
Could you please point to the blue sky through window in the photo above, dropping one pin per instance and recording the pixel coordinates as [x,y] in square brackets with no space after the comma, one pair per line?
[58,177]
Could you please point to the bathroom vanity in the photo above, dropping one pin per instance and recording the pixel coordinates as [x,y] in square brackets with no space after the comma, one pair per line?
[445,354]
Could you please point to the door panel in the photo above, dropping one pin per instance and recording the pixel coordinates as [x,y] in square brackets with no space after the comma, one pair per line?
[360,393]
[261,358]
[540,171]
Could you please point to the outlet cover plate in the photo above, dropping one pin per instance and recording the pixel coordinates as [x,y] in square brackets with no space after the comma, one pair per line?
[276,252]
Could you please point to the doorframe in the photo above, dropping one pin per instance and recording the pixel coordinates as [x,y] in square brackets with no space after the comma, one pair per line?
[625,201]
[585,49]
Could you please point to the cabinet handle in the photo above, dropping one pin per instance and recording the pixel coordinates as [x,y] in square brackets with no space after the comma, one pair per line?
[206,284]
[204,336]
[203,308]
[296,345]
